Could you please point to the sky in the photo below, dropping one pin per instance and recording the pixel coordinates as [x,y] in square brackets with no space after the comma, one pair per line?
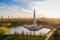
[25,8]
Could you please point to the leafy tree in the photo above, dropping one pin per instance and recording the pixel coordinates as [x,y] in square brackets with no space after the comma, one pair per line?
[4,31]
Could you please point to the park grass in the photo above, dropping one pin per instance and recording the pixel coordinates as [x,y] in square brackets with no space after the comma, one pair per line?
[22,37]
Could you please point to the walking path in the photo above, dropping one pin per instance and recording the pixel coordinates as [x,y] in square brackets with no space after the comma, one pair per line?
[50,33]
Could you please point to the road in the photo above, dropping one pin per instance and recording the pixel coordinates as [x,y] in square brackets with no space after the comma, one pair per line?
[50,33]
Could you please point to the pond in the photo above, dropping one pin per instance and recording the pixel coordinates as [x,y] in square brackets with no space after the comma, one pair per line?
[21,29]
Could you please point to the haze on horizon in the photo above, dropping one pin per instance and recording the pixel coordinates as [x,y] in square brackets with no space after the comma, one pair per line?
[25,8]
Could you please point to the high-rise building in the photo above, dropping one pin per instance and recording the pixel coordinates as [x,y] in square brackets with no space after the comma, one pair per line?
[8,17]
[1,17]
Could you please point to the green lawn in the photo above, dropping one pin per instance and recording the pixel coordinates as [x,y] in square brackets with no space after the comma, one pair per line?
[22,37]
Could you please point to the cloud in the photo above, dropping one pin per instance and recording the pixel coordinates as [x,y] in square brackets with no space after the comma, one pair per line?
[47,8]
[17,9]
[26,3]
[27,0]
[25,7]
[13,10]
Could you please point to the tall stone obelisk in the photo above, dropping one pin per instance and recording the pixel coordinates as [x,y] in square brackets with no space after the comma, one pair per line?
[34,22]
[34,27]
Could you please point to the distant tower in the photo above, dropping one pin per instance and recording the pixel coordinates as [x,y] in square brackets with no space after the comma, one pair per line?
[34,23]
[18,18]
[8,17]
[12,16]
[1,17]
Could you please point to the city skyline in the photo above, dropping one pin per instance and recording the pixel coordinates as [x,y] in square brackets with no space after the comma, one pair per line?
[25,8]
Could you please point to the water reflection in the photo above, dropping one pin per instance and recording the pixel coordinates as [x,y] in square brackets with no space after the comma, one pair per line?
[22,29]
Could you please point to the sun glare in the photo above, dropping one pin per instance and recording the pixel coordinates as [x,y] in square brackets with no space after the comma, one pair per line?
[47,14]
